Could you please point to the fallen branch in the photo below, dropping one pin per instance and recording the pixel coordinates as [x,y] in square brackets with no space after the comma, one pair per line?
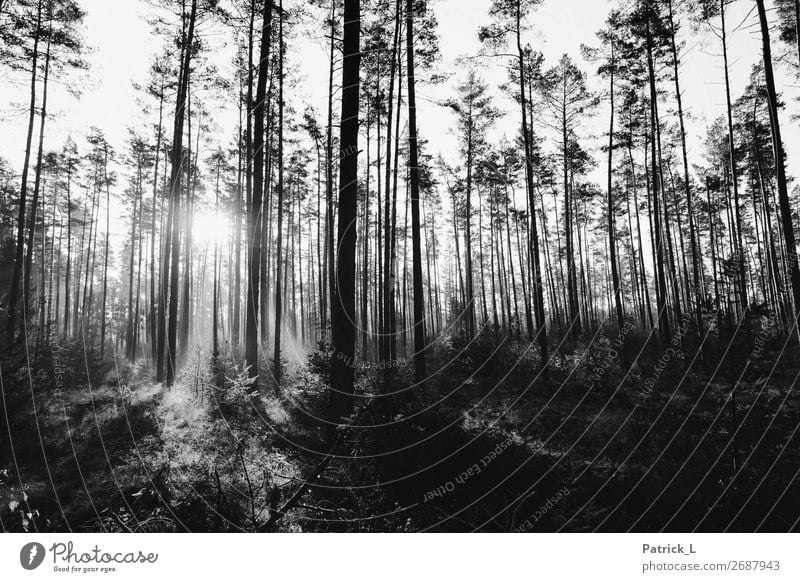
[277,514]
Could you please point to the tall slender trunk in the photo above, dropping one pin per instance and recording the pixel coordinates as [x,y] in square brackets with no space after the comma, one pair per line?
[470,287]
[513,279]
[330,289]
[103,312]
[767,221]
[69,247]
[524,278]
[612,239]
[279,243]
[236,286]
[696,293]
[54,278]
[343,305]
[320,281]
[266,215]
[365,259]
[642,270]
[248,161]
[129,345]
[780,170]
[572,280]
[461,295]
[163,291]
[19,256]
[254,228]
[393,228]
[713,242]
[663,316]
[153,297]
[79,312]
[387,337]
[538,294]
[416,243]
[37,181]
[740,252]
[666,228]
[188,265]
[215,307]
[177,160]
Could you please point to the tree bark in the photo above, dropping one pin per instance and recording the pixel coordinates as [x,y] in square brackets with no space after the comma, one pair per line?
[740,253]
[177,161]
[696,293]
[19,256]
[279,243]
[612,239]
[663,316]
[416,244]
[387,331]
[254,231]
[538,293]
[343,305]
[780,169]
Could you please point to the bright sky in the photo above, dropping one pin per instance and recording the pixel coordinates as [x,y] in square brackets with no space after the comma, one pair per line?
[123,46]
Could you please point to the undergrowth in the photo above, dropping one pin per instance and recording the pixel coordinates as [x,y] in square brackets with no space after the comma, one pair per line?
[612,435]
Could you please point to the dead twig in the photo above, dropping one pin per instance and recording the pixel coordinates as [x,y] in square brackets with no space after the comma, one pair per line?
[275,515]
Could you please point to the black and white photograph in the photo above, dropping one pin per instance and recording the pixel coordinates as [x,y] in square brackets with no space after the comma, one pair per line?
[399,266]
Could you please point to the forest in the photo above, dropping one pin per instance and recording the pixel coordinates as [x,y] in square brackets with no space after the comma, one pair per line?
[355,266]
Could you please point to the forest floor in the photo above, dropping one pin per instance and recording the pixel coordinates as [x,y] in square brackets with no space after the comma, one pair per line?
[653,439]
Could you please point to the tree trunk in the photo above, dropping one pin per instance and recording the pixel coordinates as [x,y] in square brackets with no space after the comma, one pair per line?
[469,306]
[612,239]
[330,290]
[572,280]
[278,273]
[153,299]
[419,297]
[19,256]
[780,170]
[387,338]
[37,181]
[740,253]
[103,314]
[663,316]
[215,307]
[696,293]
[537,295]
[129,345]
[69,247]
[254,231]
[177,161]
[343,305]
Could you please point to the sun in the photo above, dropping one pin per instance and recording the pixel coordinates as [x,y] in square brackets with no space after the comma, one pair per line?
[210,227]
